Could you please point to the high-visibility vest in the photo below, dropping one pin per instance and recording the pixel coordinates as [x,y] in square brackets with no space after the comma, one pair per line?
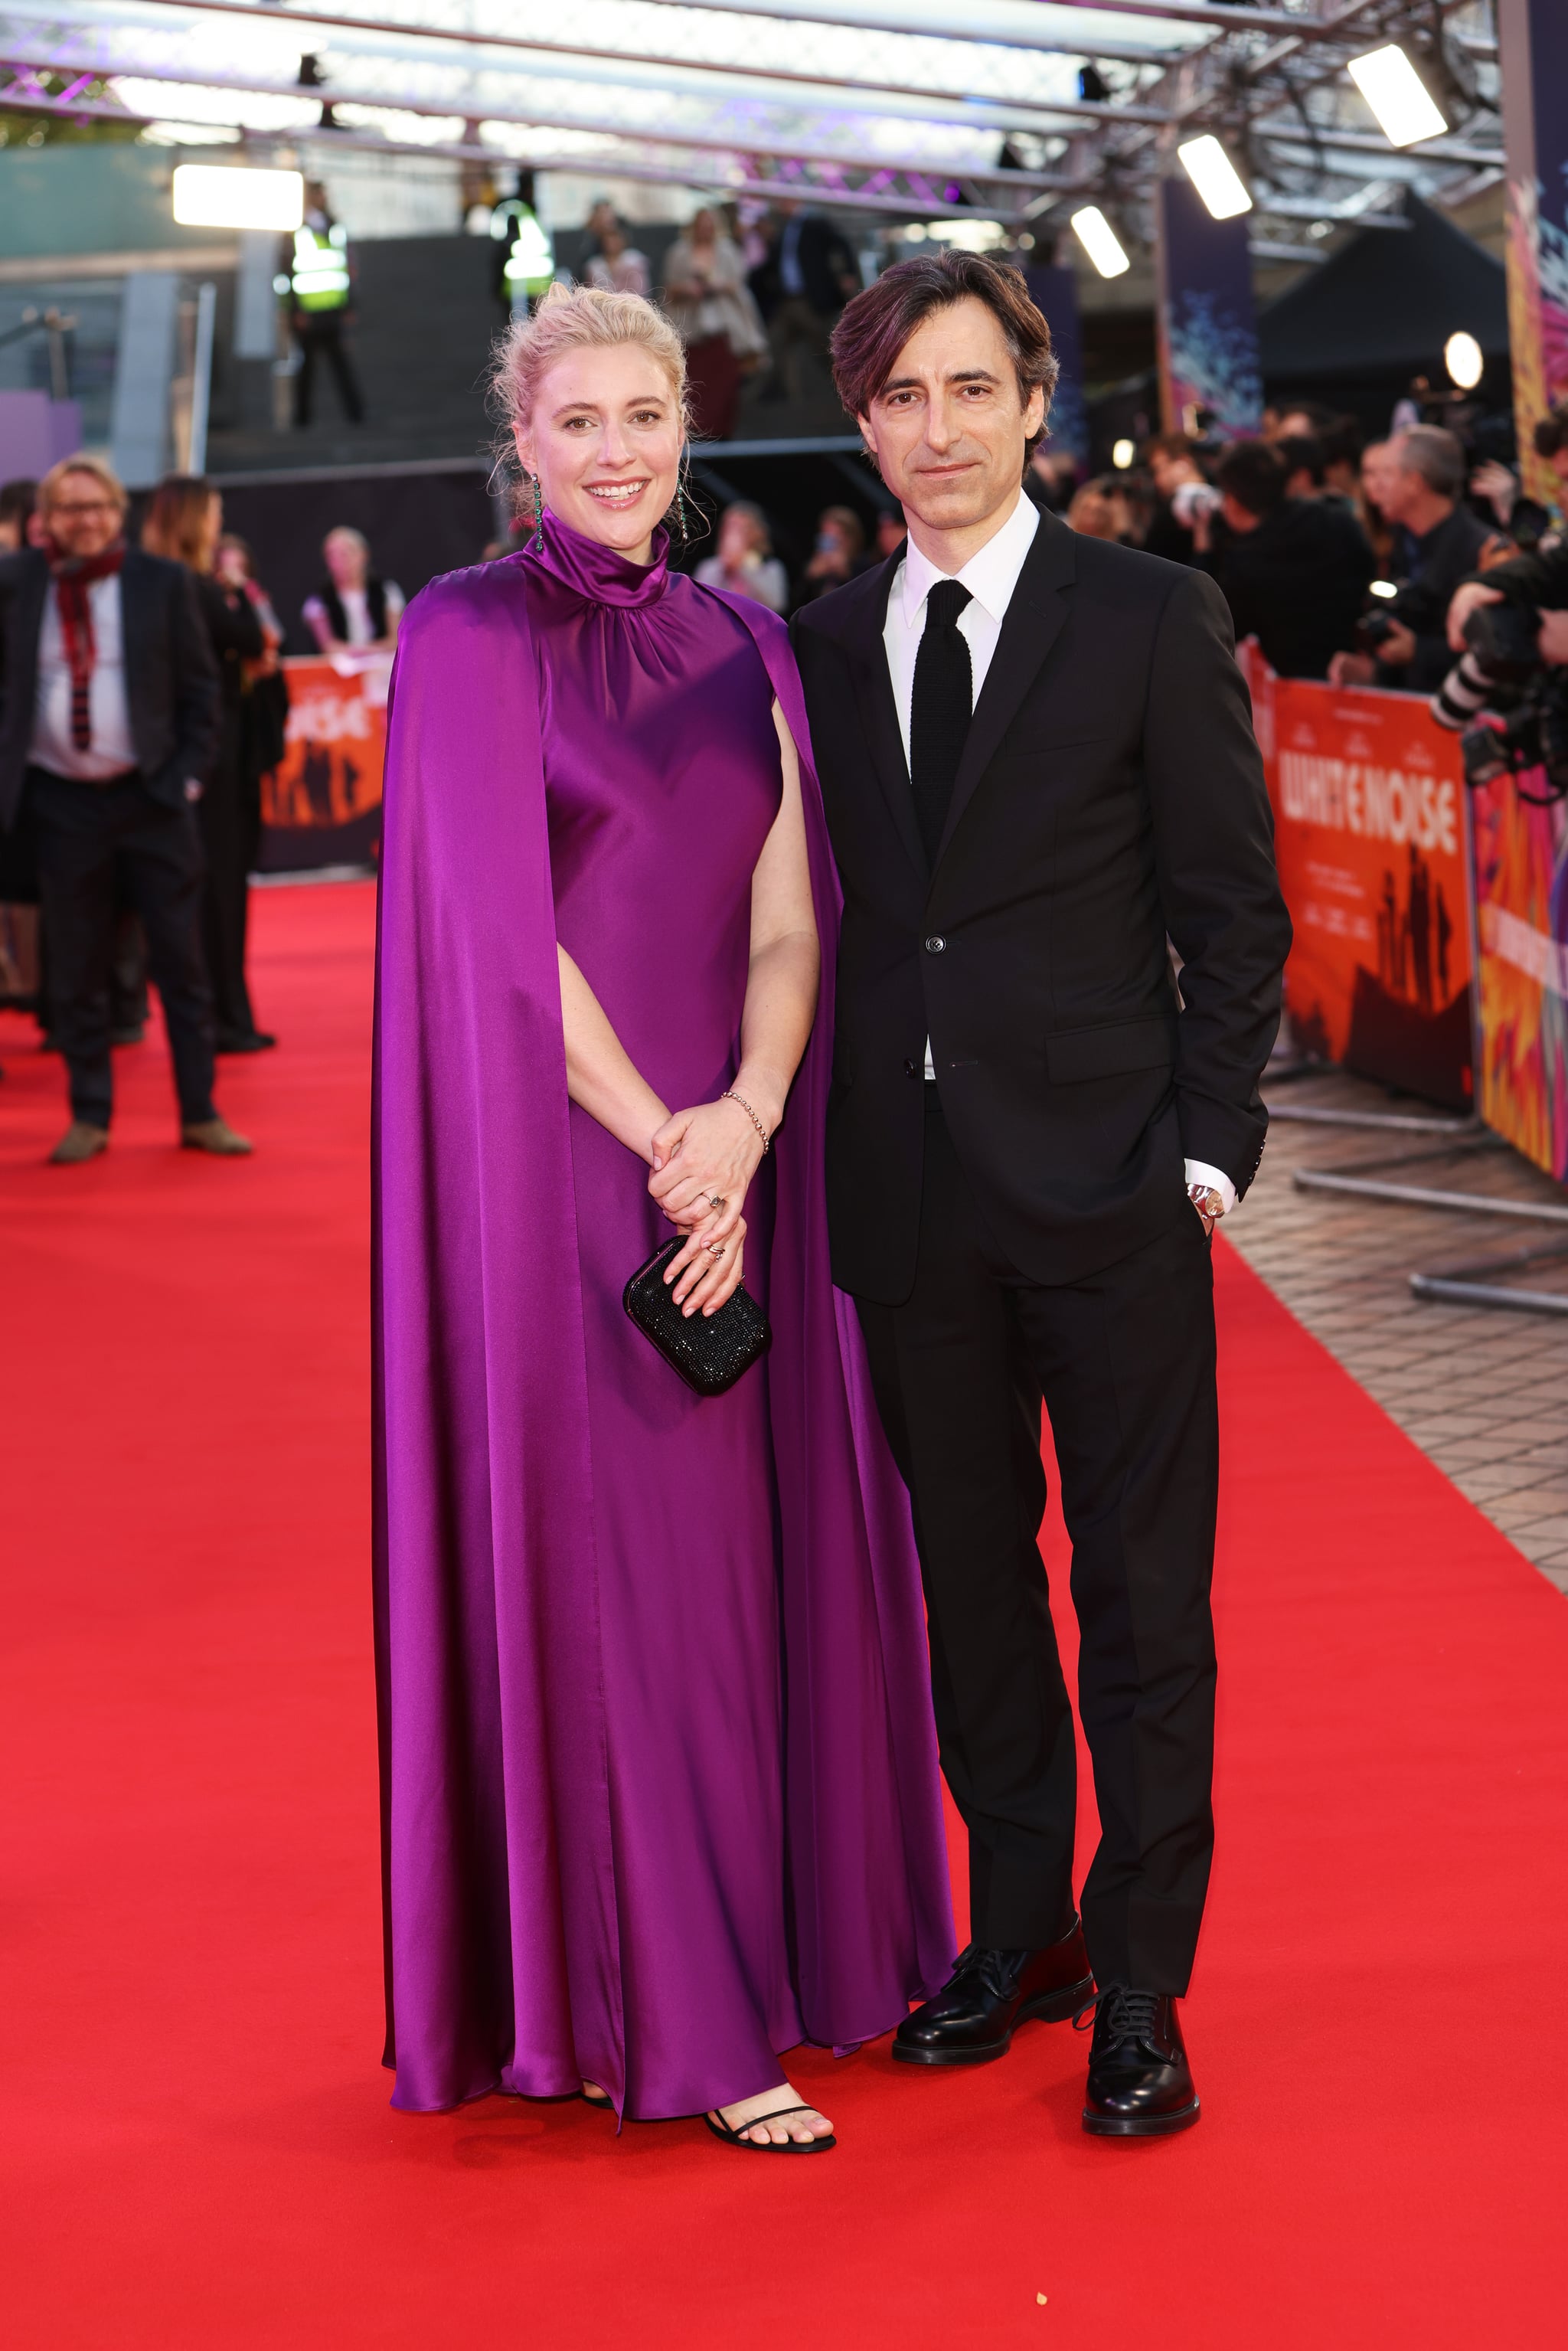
[531,264]
[319,279]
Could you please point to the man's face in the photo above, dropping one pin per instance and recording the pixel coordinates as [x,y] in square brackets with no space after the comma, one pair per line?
[345,560]
[1377,474]
[81,517]
[948,428]
[1403,490]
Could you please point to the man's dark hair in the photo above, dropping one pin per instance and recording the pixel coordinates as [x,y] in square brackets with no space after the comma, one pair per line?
[1253,474]
[877,323]
[17,501]
[1342,441]
[1172,445]
[1303,452]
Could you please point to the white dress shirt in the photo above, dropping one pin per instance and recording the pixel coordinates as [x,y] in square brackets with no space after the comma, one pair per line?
[990,578]
[110,748]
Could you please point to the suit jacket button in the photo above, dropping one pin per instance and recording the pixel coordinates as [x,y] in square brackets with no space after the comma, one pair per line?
[909,1070]
[935,945]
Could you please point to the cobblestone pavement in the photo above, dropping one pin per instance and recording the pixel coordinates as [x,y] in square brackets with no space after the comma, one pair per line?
[1483,1393]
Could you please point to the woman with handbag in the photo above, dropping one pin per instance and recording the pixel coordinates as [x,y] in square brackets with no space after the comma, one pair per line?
[658,1771]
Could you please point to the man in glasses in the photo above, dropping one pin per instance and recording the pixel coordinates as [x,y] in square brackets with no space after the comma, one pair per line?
[108,723]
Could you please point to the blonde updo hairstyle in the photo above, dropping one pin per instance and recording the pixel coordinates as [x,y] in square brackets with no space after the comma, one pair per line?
[578,317]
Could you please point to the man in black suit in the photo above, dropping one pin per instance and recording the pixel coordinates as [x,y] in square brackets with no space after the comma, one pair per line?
[1037,762]
[807,277]
[108,723]
[1294,570]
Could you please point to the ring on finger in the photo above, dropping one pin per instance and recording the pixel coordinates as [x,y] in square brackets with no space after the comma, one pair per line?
[715,1249]
[717,1202]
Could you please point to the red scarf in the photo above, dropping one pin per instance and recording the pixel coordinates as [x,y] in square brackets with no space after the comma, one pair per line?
[74,575]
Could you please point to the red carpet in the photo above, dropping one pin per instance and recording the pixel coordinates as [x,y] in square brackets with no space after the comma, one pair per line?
[196,2144]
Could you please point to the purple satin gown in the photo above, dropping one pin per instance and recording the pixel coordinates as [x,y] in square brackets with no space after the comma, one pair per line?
[652,855]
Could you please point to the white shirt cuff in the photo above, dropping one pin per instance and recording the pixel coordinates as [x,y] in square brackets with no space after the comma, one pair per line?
[1200,1172]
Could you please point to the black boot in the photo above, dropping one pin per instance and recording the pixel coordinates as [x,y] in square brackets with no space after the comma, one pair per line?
[971,2019]
[1140,2084]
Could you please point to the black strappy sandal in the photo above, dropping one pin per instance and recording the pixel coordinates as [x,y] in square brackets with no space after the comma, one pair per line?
[608,2104]
[721,2129]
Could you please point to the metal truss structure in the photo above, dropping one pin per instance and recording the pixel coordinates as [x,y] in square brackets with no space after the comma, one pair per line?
[1013,111]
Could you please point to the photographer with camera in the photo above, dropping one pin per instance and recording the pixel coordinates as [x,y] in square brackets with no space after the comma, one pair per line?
[1508,695]
[1172,460]
[1535,583]
[1418,482]
[1294,570]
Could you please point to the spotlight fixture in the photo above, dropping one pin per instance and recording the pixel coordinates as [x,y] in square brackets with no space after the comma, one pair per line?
[1396,94]
[1122,455]
[1099,241]
[1462,357]
[236,196]
[1215,177]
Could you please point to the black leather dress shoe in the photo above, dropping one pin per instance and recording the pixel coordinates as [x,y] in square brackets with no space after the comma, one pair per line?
[971,2019]
[244,1040]
[1140,2084]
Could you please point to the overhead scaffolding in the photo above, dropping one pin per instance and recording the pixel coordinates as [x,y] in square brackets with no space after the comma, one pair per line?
[1004,109]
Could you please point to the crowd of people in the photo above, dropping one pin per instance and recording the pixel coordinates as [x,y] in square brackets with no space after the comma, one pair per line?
[1343,561]
[142,700]
[751,295]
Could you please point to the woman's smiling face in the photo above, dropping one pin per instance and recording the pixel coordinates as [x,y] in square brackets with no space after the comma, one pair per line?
[604,442]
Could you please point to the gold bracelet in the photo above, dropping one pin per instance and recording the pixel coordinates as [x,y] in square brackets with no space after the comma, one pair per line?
[729,1094]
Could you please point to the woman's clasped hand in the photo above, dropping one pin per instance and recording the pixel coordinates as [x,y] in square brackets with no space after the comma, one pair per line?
[703,1161]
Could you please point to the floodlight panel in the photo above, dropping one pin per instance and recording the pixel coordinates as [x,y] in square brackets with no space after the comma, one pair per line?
[1099,241]
[1463,358]
[1396,94]
[209,195]
[1215,177]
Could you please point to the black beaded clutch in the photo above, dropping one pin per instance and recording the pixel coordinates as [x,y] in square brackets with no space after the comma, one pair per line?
[709,1351]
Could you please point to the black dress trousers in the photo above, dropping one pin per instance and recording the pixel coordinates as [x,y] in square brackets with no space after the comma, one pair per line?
[1124,1361]
[229,816]
[93,840]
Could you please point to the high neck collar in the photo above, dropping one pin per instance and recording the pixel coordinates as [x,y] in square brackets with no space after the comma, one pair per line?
[600,573]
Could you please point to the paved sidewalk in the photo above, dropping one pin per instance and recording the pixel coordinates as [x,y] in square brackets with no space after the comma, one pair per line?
[1484,1394]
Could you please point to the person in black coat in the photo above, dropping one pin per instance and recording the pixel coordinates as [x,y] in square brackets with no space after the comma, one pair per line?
[808,276]
[185,522]
[1294,570]
[1037,759]
[109,715]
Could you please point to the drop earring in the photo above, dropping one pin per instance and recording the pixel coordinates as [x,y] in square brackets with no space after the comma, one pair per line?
[539,512]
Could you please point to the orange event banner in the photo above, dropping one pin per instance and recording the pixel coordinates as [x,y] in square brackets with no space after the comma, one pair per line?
[1368,795]
[322,805]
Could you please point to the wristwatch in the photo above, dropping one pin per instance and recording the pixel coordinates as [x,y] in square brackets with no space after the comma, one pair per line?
[1208,1203]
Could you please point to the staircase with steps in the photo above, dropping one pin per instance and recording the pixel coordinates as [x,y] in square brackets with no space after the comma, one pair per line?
[424,325]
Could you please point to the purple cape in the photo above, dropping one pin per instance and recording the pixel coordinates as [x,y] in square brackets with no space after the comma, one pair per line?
[501,1934]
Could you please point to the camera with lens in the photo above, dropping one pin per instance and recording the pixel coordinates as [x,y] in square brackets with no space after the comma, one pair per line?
[1508,707]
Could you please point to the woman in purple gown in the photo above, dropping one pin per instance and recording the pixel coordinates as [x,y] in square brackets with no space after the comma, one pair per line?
[659,1787]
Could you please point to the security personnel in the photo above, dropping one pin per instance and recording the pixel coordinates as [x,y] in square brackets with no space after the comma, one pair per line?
[321,293]
[524,260]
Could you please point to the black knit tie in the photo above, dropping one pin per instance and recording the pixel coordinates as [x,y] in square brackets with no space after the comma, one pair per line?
[939,711]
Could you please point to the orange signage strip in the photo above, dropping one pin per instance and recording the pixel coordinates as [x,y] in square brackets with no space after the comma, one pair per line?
[330,773]
[1368,797]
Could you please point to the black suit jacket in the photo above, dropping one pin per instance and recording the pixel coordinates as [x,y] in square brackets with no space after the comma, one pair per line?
[170,673]
[1110,792]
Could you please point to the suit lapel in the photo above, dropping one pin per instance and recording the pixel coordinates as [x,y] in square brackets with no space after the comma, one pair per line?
[1032,625]
[863,642]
